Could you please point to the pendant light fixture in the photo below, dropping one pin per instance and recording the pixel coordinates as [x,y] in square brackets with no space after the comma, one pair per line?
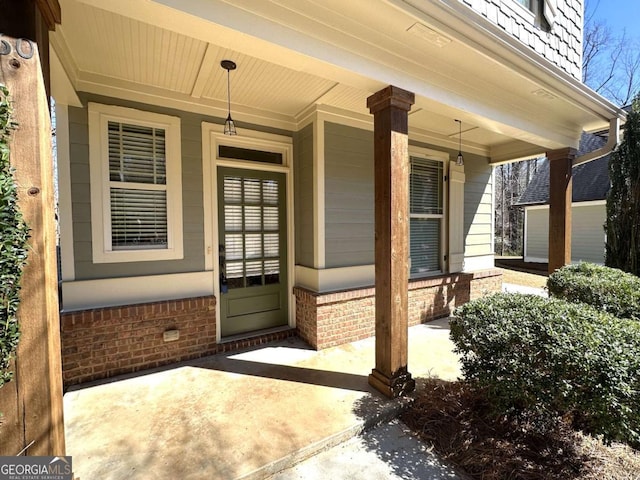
[229,126]
[460,159]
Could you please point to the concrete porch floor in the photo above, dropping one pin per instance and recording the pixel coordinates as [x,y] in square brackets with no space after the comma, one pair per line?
[245,414]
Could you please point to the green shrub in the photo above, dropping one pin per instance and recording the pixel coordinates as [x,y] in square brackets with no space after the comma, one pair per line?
[543,359]
[605,288]
[13,239]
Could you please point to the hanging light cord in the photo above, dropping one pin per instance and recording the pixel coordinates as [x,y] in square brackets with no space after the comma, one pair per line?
[229,92]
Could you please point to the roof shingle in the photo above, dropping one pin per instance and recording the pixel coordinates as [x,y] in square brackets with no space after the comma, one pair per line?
[590,180]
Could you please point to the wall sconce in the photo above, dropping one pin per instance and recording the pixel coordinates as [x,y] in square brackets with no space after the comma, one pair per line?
[460,159]
[229,126]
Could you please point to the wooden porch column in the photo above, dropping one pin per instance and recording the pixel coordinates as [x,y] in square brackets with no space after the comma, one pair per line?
[560,192]
[31,403]
[390,108]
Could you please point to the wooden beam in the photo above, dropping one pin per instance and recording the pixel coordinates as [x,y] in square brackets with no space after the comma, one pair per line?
[32,20]
[390,108]
[560,195]
[38,421]
[19,17]
[51,12]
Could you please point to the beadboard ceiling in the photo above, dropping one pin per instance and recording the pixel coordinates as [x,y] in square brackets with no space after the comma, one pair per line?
[147,50]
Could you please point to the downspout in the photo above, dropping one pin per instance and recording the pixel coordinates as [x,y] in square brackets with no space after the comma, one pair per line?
[612,142]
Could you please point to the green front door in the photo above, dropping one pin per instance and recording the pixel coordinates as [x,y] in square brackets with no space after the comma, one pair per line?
[253,250]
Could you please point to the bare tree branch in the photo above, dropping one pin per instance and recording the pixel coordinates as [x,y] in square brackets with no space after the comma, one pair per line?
[610,60]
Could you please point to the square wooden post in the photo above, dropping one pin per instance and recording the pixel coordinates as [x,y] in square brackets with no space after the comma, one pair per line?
[390,108]
[560,195]
[32,404]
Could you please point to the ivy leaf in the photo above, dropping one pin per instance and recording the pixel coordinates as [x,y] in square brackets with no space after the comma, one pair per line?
[14,234]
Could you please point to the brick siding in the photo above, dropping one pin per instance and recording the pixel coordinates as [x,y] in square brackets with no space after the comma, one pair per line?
[104,342]
[485,283]
[329,319]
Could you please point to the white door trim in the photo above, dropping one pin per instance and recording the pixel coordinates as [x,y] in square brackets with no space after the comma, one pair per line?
[212,136]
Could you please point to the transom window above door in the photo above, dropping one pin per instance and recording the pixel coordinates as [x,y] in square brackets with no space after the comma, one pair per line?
[250,154]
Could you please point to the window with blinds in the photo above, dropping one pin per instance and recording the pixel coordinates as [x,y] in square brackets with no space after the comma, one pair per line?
[138,186]
[426,213]
[135,168]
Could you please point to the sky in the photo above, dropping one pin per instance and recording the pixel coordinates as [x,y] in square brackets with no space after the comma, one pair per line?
[618,14]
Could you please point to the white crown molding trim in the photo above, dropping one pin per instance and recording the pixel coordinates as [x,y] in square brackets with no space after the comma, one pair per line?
[95,84]
[444,141]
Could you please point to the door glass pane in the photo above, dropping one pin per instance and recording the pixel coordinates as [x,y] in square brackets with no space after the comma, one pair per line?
[270,192]
[271,245]
[233,247]
[235,275]
[232,190]
[271,272]
[253,218]
[253,245]
[254,273]
[252,191]
[270,219]
[233,218]
[251,231]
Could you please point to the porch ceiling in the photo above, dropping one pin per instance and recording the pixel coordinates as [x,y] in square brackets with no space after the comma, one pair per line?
[293,54]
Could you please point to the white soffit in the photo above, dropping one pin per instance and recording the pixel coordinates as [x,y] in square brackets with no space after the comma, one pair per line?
[279,89]
[332,52]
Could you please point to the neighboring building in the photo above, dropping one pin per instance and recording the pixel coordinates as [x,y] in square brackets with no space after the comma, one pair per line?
[588,209]
[178,241]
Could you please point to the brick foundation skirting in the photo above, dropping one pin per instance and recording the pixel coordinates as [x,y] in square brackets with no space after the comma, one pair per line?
[328,319]
[104,342]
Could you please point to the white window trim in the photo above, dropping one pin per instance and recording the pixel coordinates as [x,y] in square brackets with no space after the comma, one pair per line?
[524,11]
[442,157]
[99,116]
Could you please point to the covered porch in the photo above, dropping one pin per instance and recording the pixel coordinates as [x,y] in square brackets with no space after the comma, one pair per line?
[312,90]
[248,414]
[338,93]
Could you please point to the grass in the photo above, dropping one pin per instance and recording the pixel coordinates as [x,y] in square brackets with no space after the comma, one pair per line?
[522,278]
[458,423]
